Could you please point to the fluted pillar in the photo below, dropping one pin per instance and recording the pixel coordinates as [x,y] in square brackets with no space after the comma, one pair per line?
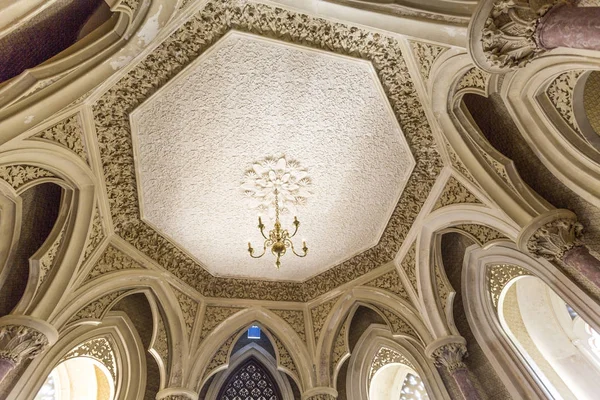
[320,393]
[176,394]
[507,34]
[22,338]
[557,237]
[449,353]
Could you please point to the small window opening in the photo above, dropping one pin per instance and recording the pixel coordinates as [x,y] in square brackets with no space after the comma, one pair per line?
[254,332]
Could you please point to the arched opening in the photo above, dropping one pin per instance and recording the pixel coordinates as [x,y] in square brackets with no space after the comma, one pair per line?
[397,381]
[250,381]
[40,206]
[557,344]
[485,378]
[78,378]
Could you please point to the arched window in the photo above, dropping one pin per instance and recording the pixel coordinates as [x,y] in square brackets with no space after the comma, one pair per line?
[250,381]
[555,342]
[393,377]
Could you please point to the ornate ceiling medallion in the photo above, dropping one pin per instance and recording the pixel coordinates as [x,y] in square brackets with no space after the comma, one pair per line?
[277,185]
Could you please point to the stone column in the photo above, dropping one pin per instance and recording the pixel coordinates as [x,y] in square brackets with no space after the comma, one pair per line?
[557,237]
[506,34]
[449,353]
[22,338]
[176,394]
[320,393]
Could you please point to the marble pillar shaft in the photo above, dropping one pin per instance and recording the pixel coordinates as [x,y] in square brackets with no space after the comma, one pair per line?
[465,385]
[5,367]
[580,259]
[567,26]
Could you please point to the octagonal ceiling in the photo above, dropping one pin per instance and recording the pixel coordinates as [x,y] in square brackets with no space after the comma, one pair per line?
[248,98]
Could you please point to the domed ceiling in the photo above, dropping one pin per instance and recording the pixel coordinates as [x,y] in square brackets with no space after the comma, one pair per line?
[248,98]
[239,84]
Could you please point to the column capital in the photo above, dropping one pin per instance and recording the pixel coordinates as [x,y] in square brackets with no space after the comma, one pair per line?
[448,352]
[23,337]
[502,33]
[320,393]
[551,235]
[176,393]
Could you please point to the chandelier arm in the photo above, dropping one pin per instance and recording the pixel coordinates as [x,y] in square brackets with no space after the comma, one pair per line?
[294,250]
[263,253]
[262,232]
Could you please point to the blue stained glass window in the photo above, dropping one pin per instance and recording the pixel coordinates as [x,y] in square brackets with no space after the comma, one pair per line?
[254,332]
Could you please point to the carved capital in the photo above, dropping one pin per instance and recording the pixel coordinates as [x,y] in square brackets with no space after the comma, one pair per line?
[505,32]
[451,356]
[18,342]
[555,238]
[176,394]
[320,393]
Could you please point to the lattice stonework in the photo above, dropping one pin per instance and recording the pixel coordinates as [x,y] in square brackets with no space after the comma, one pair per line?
[100,350]
[111,118]
[498,276]
[251,381]
[384,357]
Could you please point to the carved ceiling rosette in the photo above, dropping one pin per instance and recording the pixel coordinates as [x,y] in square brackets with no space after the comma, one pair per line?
[111,117]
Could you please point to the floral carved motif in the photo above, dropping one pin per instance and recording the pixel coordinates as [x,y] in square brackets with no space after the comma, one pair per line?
[296,320]
[161,342]
[498,276]
[409,265]
[322,396]
[560,93]
[508,36]
[340,347]
[284,358]
[221,357]
[458,164]
[426,55]
[68,133]
[111,260]
[213,316]
[111,113]
[47,260]
[455,193]
[474,78]
[96,235]
[98,349]
[443,288]
[18,175]
[384,357]
[189,309]
[450,356]
[483,234]
[319,315]
[96,309]
[19,342]
[391,282]
[398,326]
[555,238]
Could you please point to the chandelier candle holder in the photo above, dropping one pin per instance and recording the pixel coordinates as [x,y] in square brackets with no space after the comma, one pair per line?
[279,240]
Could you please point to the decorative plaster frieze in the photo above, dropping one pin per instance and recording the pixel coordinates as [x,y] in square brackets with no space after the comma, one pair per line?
[111,260]
[398,325]
[555,238]
[409,265]
[46,262]
[474,78]
[391,282]
[341,349]
[322,396]
[221,356]
[284,358]
[384,357]
[295,318]
[19,175]
[99,349]
[319,315]
[455,193]
[96,235]
[213,316]
[426,55]
[443,288]
[483,234]
[189,309]
[97,308]
[111,114]
[458,164]
[18,342]
[560,92]
[498,276]
[68,133]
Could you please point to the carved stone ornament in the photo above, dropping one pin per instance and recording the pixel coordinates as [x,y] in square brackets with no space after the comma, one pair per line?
[455,193]
[509,34]
[111,118]
[19,175]
[68,133]
[384,357]
[322,396]
[451,356]
[555,238]
[426,55]
[19,342]
[99,349]
[560,92]
[498,276]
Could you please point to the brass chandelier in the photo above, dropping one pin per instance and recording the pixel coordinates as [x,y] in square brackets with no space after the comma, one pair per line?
[279,240]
